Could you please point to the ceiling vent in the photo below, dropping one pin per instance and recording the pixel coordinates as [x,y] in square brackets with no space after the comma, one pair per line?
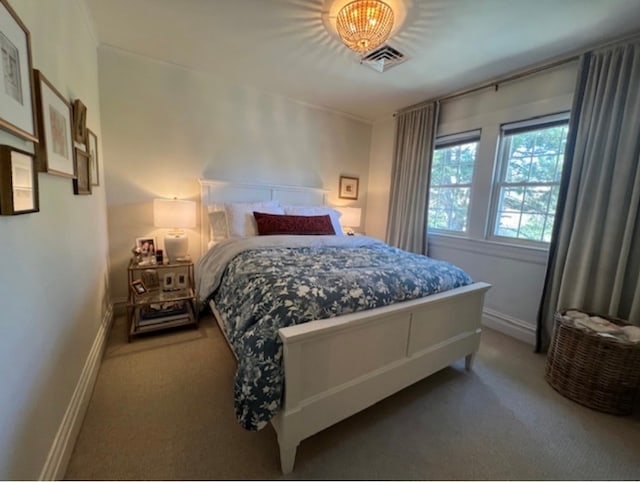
[383,58]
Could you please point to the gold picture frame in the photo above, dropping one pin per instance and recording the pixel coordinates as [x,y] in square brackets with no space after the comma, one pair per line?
[348,188]
[79,122]
[82,182]
[138,287]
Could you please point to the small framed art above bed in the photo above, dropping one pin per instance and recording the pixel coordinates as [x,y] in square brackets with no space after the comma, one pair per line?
[323,325]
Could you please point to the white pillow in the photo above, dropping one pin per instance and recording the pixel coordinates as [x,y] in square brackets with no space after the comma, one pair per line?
[240,220]
[317,211]
[218,223]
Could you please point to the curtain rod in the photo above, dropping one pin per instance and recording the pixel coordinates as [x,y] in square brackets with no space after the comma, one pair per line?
[522,73]
[510,78]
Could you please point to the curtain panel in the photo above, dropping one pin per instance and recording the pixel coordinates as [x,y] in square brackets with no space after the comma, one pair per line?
[594,262]
[413,151]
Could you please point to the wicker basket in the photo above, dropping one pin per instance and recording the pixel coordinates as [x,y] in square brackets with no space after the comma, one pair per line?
[599,372]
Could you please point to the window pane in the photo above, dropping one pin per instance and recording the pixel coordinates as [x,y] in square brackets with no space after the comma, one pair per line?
[518,169]
[532,226]
[508,224]
[543,169]
[536,199]
[530,177]
[511,199]
[466,172]
[450,190]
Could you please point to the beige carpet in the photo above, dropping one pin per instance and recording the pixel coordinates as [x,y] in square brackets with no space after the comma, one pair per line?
[162,409]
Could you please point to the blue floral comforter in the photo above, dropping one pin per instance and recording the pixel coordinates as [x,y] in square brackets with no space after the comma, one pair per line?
[278,281]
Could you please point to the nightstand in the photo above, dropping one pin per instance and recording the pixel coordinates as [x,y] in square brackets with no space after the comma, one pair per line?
[161,296]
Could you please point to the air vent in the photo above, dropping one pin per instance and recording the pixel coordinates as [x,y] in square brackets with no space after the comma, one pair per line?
[383,59]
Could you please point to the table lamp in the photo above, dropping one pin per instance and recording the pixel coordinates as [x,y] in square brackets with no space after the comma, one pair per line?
[350,218]
[176,215]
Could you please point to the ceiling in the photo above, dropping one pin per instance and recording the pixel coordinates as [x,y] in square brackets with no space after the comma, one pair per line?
[289,47]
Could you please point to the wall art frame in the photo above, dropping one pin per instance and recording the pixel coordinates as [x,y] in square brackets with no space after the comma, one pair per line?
[17,102]
[348,188]
[92,149]
[79,122]
[54,152]
[18,182]
[82,181]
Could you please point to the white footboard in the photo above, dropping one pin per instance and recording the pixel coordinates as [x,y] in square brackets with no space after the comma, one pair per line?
[335,368]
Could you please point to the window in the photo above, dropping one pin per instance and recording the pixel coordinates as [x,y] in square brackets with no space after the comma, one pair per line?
[454,159]
[531,156]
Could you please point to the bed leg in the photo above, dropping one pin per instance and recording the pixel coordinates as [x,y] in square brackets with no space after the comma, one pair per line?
[468,361]
[287,458]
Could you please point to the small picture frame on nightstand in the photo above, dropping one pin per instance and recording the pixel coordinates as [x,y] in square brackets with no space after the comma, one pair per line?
[181,281]
[138,287]
[169,282]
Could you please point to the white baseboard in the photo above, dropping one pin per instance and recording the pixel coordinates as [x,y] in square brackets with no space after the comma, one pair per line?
[62,447]
[509,325]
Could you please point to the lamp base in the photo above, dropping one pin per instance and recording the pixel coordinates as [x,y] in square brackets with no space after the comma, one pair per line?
[176,247]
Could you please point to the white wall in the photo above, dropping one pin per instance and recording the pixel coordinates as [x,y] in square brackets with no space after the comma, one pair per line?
[53,264]
[516,273]
[165,127]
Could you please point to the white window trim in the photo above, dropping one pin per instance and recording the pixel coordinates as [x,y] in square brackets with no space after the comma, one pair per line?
[500,168]
[452,140]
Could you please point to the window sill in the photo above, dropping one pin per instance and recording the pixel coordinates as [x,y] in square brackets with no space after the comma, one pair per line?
[529,254]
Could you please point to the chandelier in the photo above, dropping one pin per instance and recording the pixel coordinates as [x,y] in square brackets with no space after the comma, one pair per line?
[363,25]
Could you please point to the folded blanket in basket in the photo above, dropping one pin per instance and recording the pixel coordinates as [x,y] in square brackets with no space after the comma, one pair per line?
[632,332]
[594,323]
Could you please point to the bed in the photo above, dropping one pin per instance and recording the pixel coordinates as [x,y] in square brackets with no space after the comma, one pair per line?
[331,367]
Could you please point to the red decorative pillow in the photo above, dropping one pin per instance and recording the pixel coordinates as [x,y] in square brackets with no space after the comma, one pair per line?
[287,224]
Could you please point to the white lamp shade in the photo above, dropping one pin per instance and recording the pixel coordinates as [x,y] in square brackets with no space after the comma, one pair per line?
[174,213]
[350,216]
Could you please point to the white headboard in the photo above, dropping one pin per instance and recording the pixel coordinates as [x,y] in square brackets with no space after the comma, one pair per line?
[214,191]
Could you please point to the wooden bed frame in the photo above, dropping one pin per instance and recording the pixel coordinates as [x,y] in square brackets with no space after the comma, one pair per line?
[335,368]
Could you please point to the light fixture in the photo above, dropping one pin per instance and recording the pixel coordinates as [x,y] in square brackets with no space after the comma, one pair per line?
[363,25]
[350,218]
[175,214]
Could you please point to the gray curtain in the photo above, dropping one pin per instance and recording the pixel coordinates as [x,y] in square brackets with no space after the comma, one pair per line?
[413,150]
[594,260]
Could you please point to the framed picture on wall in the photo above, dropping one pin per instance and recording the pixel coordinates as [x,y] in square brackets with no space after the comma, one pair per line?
[55,151]
[348,187]
[82,182]
[79,122]
[17,105]
[92,148]
[18,182]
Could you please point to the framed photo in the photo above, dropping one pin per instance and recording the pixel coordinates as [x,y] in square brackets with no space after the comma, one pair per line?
[92,143]
[17,105]
[18,182]
[82,182]
[181,281]
[348,188]
[169,282]
[138,287]
[55,151]
[146,245]
[79,122]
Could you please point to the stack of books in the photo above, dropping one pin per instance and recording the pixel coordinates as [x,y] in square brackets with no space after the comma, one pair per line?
[155,313]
